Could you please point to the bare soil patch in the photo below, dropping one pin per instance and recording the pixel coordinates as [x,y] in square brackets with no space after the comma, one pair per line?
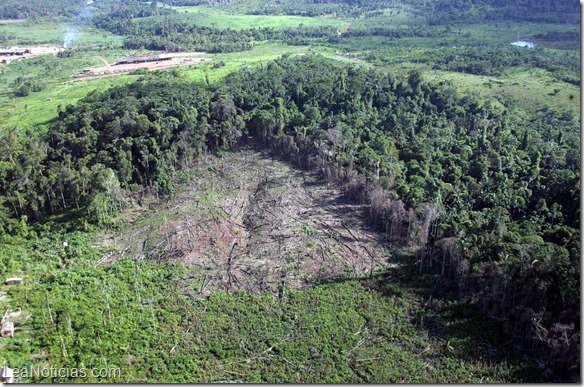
[250,222]
[32,52]
[166,61]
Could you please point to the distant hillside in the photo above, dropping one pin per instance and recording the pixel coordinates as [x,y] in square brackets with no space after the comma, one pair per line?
[436,11]
[30,9]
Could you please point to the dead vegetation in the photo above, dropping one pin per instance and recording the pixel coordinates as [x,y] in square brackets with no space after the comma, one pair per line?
[252,223]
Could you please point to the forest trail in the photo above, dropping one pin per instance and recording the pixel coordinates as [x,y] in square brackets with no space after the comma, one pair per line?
[253,223]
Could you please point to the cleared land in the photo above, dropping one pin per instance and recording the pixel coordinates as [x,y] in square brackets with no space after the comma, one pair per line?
[163,61]
[214,17]
[253,223]
[30,52]
[531,89]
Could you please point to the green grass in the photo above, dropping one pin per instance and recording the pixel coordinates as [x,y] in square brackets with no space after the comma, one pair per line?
[396,18]
[220,18]
[529,89]
[260,54]
[37,109]
[51,32]
[467,36]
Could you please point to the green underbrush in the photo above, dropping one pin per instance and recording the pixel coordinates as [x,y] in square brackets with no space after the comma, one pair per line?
[135,316]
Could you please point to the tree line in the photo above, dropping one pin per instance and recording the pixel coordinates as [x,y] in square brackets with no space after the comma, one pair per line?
[31,9]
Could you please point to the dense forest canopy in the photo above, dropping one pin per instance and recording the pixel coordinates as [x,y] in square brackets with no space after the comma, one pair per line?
[16,9]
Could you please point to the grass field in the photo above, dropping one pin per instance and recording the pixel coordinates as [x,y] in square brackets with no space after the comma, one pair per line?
[396,18]
[220,18]
[528,89]
[52,32]
[260,54]
[461,36]
[531,90]
[38,108]
[60,90]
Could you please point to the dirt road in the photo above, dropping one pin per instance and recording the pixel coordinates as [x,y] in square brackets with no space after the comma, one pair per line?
[103,60]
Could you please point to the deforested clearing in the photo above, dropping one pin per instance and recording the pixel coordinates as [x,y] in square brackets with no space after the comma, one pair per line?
[252,222]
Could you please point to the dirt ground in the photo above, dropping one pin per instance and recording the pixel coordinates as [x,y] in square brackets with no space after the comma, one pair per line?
[179,59]
[249,222]
[34,51]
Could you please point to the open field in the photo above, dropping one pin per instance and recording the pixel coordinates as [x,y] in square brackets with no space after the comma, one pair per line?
[259,54]
[219,18]
[459,36]
[510,32]
[60,90]
[31,32]
[36,109]
[390,18]
[53,74]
